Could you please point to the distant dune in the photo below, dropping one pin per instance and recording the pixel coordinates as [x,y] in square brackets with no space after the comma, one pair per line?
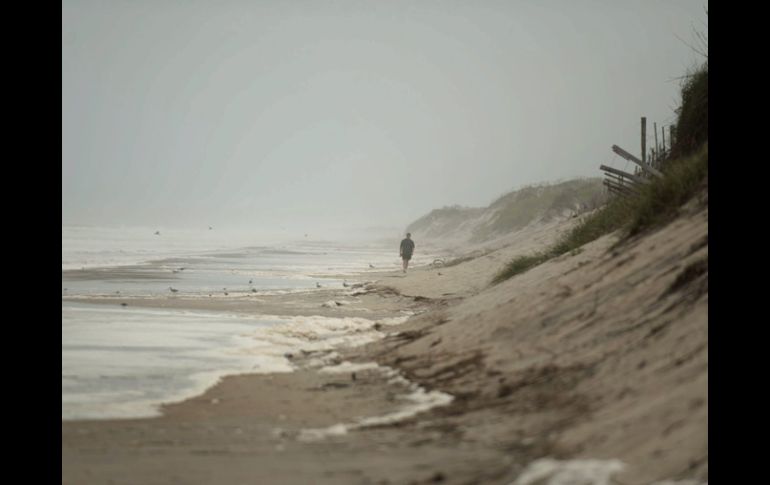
[509,213]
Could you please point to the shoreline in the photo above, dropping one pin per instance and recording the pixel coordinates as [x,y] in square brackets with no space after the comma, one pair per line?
[572,361]
[312,320]
[246,416]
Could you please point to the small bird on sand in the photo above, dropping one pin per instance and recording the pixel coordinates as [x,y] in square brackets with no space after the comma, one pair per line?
[318,285]
[173,290]
[371,265]
[249,281]
[345,284]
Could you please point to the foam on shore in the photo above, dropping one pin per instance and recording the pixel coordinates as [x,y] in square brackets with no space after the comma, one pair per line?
[127,362]
[417,400]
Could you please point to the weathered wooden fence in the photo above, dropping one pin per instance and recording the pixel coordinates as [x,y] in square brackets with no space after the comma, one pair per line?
[619,182]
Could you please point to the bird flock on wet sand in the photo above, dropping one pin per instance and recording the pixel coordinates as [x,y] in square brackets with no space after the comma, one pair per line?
[251,282]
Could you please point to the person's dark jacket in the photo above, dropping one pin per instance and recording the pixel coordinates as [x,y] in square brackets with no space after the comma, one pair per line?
[407,248]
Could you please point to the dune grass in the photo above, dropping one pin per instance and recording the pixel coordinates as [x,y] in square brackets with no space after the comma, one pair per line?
[519,265]
[657,204]
[692,126]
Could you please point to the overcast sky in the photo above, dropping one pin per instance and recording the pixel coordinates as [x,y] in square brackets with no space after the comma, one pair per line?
[329,114]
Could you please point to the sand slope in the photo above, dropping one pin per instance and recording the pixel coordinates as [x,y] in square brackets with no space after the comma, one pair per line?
[599,355]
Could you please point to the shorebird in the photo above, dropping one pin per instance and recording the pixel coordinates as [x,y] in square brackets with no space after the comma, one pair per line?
[173,290]
[345,284]
[371,265]
[249,281]
[318,285]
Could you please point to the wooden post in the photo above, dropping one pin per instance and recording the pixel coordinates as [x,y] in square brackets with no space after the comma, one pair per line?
[612,188]
[624,183]
[623,174]
[671,135]
[644,139]
[655,129]
[646,167]
[613,191]
[663,132]
[619,188]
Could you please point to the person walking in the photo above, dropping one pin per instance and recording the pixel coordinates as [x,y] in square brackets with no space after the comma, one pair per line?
[406,250]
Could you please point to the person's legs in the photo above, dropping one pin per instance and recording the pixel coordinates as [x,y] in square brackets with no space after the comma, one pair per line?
[406,264]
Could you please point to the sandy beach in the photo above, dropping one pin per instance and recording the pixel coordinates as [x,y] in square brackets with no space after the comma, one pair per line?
[596,361]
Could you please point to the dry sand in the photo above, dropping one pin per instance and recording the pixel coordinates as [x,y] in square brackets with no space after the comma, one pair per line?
[602,355]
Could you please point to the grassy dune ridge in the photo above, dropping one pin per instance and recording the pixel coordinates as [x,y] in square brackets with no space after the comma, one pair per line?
[685,177]
[511,211]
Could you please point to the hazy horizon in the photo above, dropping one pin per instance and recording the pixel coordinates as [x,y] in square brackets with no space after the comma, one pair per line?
[329,115]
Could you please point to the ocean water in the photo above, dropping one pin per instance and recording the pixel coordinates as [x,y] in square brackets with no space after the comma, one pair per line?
[123,362]
[200,262]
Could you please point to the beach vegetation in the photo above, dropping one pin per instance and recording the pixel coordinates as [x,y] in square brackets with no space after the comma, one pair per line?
[685,176]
